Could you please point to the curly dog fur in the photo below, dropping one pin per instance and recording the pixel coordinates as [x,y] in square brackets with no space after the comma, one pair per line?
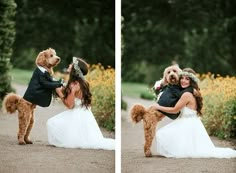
[151,116]
[13,102]
[150,119]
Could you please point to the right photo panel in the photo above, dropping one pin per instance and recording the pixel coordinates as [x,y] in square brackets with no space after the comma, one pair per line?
[178,90]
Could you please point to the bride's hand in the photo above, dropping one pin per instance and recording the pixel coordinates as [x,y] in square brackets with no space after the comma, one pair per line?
[75,87]
[157,106]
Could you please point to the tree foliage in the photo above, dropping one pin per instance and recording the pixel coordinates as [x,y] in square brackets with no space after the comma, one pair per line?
[7,36]
[197,34]
[73,28]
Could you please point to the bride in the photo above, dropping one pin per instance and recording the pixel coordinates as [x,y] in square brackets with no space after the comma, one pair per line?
[186,136]
[77,127]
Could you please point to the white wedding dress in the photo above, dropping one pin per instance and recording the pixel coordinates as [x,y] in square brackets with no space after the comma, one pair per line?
[77,128]
[186,137]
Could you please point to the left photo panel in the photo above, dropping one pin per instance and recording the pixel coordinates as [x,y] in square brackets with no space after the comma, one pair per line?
[57,86]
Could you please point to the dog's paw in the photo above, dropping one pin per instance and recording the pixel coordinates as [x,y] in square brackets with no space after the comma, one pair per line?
[27,141]
[21,143]
[148,153]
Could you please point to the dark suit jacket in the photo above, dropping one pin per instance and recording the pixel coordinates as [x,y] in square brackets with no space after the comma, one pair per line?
[170,96]
[40,88]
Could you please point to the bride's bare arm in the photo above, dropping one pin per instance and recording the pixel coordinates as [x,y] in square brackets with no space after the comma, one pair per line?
[183,101]
[69,101]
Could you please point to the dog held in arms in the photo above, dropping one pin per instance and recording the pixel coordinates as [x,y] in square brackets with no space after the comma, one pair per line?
[39,92]
[171,92]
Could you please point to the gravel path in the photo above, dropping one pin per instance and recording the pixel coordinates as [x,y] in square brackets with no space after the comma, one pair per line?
[41,157]
[133,160]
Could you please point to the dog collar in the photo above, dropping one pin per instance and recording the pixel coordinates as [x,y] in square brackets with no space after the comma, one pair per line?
[42,69]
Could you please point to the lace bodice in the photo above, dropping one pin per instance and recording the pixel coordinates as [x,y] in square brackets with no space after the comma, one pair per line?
[188,113]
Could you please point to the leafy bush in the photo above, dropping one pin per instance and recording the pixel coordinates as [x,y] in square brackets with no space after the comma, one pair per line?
[147,96]
[28,55]
[102,84]
[219,100]
[7,35]
[123,104]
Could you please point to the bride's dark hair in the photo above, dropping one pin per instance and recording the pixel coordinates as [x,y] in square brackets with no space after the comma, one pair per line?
[84,85]
[196,91]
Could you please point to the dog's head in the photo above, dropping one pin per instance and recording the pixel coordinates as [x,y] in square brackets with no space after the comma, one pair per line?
[48,59]
[170,75]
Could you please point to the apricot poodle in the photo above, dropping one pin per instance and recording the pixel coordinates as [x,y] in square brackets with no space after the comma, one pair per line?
[40,87]
[151,116]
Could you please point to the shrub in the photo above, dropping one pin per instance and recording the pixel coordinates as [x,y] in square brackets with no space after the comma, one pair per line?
[102,84]
[7,35]
[147,96]
[219,100]
[123,104]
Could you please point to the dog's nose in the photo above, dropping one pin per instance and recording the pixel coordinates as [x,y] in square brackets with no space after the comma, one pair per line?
[58,59]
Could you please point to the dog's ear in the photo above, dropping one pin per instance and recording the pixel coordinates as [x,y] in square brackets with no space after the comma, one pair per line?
[176,66]
[40,60]
[164,79]
[52,50]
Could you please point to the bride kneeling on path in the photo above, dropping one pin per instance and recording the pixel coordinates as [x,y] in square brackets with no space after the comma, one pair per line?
[186,136]
[77,127]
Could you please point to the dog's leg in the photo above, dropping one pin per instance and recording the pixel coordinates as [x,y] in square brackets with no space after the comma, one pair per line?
[24,117]
[149,132]
[31,123]
[23,124]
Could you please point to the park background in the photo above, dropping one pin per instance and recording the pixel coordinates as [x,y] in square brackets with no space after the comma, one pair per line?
[73,28]
[190,33]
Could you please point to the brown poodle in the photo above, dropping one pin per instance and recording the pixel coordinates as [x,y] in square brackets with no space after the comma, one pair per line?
[150,119]
[151,116]
[35,94]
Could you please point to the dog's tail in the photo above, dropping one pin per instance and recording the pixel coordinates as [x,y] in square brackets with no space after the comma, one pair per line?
[137,112]
[10,102]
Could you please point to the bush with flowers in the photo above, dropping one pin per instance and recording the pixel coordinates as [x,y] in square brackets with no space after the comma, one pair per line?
[219,105]
[102,85]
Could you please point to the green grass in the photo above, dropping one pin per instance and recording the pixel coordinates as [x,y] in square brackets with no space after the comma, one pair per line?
[134,89]
[20,76]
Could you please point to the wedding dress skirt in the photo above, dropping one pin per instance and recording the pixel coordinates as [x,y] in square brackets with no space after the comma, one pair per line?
[186,137]
[77,128]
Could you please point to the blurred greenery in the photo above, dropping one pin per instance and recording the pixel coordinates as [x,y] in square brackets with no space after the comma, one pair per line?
[73,28]
[102,85]
[219,105]
[196,34]
[134,89]
[20,76]
[7,37]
